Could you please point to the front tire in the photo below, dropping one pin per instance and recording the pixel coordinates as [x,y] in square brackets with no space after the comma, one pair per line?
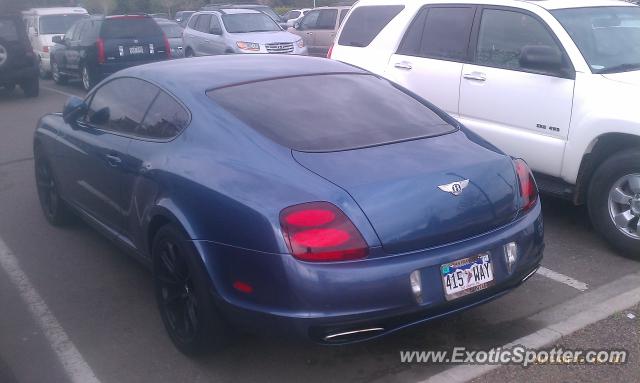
[614,201]
[55,210]
[88,78]
[31,87]
[189,53]
[182,290]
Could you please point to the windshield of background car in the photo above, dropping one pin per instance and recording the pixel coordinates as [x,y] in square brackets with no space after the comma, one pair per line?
[173,31]
[57,24]
[608,37]
[129,28]
[8,30]
[249,22]
[332,112]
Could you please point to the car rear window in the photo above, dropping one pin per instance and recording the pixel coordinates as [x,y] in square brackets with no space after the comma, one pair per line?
[365,23]
[129,28]
[8,30]
[331,112]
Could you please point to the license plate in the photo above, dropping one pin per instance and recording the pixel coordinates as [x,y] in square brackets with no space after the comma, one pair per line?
[136,50]
[466,276]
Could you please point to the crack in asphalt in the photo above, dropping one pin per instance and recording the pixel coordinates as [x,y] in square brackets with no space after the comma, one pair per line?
[16,161]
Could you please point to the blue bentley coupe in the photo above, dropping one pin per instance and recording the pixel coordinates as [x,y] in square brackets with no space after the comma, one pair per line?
[290,194]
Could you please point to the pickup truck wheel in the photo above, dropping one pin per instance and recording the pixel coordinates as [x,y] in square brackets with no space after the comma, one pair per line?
[614,201]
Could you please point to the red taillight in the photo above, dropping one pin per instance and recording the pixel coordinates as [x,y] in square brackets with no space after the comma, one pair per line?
[528,188]
[330,51]
[243,287]
[320,232]
[101,53]
[167,46]
[45,49]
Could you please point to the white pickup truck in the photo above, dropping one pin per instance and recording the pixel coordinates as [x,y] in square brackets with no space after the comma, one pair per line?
[554,82]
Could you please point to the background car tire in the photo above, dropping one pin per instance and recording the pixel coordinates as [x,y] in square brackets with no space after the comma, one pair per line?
[55,210]
[186,291]
[189,53]
[4,54]
[88,78]
[58,77]
[31,87]
[608,175]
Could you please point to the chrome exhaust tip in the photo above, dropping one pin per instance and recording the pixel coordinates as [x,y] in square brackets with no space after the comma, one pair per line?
[352,334]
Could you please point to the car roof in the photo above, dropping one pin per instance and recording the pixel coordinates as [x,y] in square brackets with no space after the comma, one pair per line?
[546,4]
[186,76]
[230,11]
[55,11]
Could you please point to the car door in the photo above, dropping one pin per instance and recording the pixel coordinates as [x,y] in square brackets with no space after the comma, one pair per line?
[306,29]
[95,155]
[203,24]
[215,43]
[325,31]
[432,53]
[524,112]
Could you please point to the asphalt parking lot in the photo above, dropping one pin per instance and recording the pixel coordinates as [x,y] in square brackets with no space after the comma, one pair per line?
[103,304]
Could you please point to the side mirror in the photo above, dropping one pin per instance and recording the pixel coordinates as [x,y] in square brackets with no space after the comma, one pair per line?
[73,110]
[542,58]
[58,40]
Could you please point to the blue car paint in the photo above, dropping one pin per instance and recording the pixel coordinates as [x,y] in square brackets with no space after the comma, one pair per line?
[226,185]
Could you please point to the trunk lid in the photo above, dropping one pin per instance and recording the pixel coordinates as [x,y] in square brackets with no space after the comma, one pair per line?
[397,187]
[133,38]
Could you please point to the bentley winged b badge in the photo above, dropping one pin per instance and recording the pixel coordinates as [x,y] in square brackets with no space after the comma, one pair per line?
[454,188]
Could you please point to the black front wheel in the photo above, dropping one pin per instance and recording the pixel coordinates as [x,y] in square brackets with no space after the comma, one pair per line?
[88,78]
[614,201]
[55,210]
[31,87]
[182,293]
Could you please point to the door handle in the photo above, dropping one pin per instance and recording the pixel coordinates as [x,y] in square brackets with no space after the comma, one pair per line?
[404,65]
[309,33]
[475,76]
[113,160]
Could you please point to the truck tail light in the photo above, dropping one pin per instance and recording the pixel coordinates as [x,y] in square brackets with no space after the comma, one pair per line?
[167,46]
[330,51]
[528,187]
[101,53]
[320,232]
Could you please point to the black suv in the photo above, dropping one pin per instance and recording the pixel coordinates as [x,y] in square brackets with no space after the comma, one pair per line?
[96,47]
[18,63]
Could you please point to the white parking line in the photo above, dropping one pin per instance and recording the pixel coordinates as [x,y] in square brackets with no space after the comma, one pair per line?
[59,91]
[563,279]
[72,361]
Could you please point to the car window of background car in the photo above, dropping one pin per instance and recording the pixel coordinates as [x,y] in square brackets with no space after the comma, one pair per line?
[204,22]
[292,15]
[607,37]
[446,33]
[503,34]
[8,30]
[343,14]
[89,34]
[173,31]
[377,112]
[215,24]
[327,19]
[120,105]
[57,24]
[249,22]
[193,20]
[77,31]
[165,119]
[130,27]
[68,36]
[310,20]
[366,23]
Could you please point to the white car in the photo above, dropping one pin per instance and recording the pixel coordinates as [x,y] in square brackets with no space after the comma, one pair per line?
[554,82]
[44,23]
[294,15]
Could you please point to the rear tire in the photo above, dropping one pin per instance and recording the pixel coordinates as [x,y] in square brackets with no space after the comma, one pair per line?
[88,78]
[55,210]
[31,87]
[189,53]
[182,289]
[614,201]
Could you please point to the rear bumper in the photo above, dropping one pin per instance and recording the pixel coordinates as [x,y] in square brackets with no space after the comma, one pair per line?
[17,75]
[105,70]
[315,301]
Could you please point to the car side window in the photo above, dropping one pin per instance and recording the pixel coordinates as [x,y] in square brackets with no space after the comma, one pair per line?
[327,19]
[204,22]
[343,14]
[69,35]
[310,20]
[79,29]
[193,21]
[166,118]
[439,33]
[365,23]
[503,34]
[120,105]
[215,25]
[8,30]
